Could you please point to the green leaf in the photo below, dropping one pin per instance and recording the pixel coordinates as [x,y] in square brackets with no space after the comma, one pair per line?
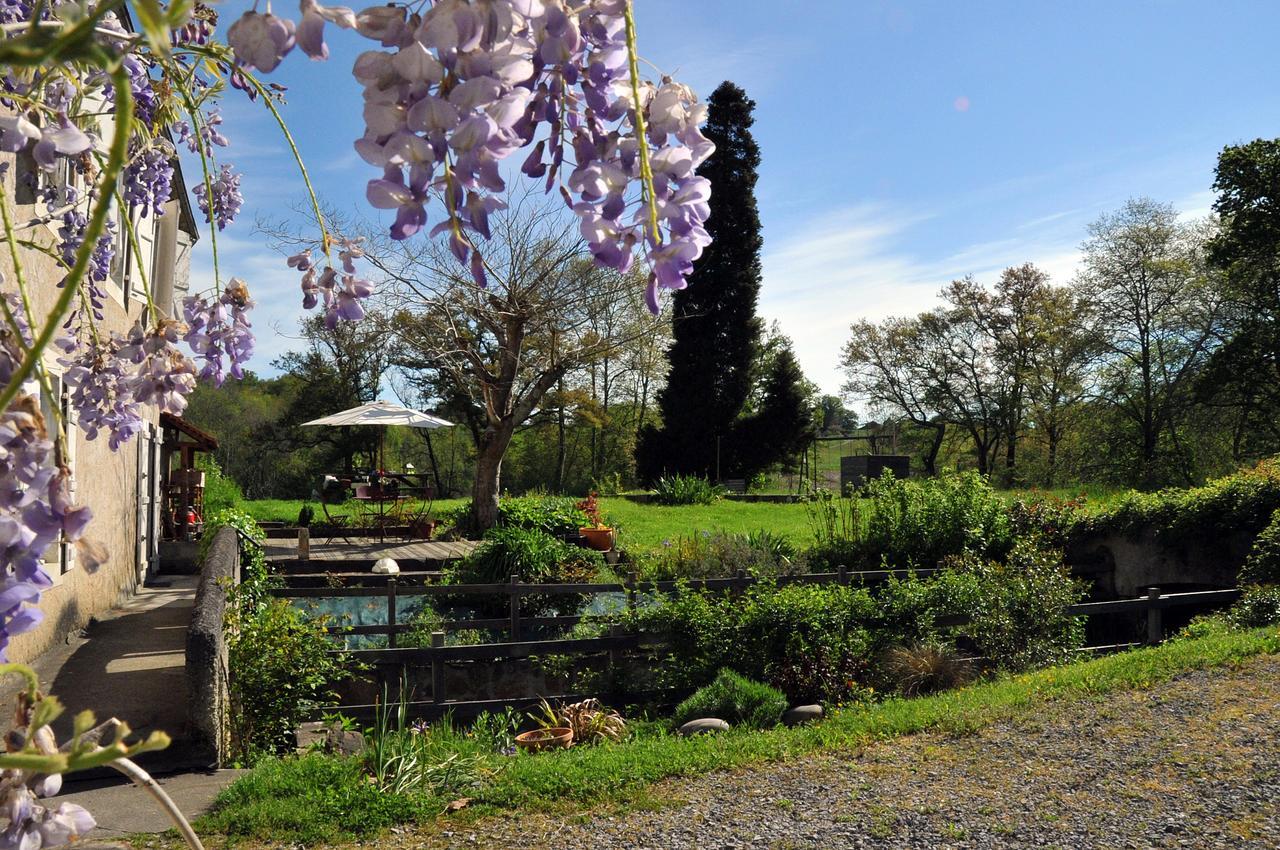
[154,23]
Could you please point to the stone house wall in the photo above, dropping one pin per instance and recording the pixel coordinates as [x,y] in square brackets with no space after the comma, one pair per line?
[106,481]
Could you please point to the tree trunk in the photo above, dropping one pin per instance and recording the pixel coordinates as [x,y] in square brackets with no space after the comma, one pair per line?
[931,459]
[488,483]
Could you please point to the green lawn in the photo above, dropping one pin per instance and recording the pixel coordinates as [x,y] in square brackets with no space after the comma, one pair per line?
[642,527]
[320,798]
[286,510]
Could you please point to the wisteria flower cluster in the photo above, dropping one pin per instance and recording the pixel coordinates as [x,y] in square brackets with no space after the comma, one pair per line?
[221,200]
[220,332]
[464,85]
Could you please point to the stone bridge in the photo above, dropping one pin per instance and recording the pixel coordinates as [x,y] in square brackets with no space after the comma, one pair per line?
[1125,565]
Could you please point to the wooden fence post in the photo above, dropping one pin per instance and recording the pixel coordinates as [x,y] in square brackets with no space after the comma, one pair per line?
[1155,628]
[631,591]
[615,631]
[304,544]
[437,669]
[515,608]
[391,611]
[740,582]
[842,574]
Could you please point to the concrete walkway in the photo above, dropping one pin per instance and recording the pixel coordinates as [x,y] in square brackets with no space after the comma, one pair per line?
[122,809]
[129,663]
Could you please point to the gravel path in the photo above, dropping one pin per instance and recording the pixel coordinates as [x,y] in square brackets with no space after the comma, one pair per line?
[1194,762]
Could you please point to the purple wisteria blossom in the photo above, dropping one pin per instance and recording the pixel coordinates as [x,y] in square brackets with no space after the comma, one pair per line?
[148,180]
[224,189]
[35,504]
[261,40]
[220,330]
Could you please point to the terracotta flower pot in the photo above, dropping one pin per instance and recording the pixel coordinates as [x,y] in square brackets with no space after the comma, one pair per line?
[600,539]
[555,738]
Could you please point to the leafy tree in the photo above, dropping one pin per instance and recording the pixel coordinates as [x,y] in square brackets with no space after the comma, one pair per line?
[496,353]
[1159,310]
[887,365]
[783,426]
[1244,375]
[716,330]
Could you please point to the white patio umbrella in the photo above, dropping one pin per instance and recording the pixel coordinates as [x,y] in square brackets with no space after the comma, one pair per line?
[382,413]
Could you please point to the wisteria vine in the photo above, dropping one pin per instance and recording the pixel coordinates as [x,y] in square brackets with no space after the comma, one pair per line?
[96,115]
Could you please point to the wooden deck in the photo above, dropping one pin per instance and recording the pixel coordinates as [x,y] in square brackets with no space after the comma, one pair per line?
[368,551]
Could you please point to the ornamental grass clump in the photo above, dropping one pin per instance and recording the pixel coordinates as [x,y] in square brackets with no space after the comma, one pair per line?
[926,668]
[734,699]
[686,490]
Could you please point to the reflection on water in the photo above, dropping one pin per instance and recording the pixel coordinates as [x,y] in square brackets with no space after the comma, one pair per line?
[372,611]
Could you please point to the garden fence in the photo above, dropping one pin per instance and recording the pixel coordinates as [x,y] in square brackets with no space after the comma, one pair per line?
[393,658]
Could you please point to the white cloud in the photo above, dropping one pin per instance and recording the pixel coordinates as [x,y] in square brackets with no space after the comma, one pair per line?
[858,264]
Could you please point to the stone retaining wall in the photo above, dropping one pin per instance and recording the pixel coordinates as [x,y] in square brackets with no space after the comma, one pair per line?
[208,708]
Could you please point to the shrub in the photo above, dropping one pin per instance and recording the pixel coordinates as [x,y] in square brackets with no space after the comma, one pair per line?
[1258,607]
[281,667]
[556,515]
[719,554]
[533,555]
[736,700]
[220,492]
[1243,502]
[811,641]
[1018,609]
[909,522]
[686,490]
[1263,564]
[814,642]
[926,668]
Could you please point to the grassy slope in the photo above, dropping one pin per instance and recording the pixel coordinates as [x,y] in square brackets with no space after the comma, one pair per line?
[298,800]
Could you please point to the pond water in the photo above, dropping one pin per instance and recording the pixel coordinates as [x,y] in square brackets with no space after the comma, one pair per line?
[372,611]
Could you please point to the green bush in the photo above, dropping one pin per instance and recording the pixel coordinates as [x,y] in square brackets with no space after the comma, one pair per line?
[1258,607]
[815,642]
[719,554]
[533,555]
[1263,564]
[1243,502]
[1018,608]
[220,492]
[909,522]
[558,516]
[686,490]
[736,700]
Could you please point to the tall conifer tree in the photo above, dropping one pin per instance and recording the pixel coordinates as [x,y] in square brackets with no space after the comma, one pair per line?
[716,330]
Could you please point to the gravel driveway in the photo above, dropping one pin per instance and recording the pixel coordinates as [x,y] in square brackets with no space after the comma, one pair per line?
[1194,762]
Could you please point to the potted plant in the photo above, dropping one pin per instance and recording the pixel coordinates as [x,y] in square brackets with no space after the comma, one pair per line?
[550,738]
[597,535]
[423,527]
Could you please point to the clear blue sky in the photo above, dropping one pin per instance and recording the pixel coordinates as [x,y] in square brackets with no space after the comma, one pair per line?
[904,143]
